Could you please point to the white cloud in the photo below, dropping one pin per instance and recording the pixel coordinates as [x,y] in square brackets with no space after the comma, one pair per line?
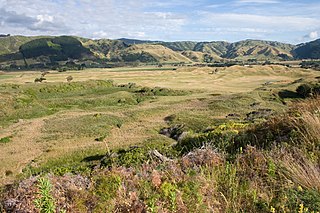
[99,18]
[269,23]
[44,18]
[161,20]
[313,35]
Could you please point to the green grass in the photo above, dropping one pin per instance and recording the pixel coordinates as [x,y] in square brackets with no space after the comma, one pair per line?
[78,162]
[6,76]
[5,140]
[45,203]
[39,100]
[95,126]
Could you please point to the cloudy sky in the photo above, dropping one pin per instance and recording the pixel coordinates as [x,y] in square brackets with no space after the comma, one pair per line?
[291,21]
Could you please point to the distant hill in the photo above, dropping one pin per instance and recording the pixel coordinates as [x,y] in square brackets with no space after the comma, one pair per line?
[136,41]
[20,50]
[180,45]
[104,48]
[59,48]
[11,44]
[152,53]
[218,48]
[260,50]
[310,50]
[247,49]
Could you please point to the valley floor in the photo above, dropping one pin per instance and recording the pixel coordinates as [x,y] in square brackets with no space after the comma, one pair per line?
[53,126]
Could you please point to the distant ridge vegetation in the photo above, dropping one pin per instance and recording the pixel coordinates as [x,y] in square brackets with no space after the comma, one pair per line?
[39,51]
[62,48]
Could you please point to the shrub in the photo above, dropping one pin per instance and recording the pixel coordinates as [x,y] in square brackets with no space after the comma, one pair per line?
[5,139]
[308,90]
[45,203]
[106,187]
[69,78]
[39,79]
[304,90]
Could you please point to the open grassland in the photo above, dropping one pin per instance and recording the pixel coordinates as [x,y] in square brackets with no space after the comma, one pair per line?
[53,118]
[224,80]
[91,122]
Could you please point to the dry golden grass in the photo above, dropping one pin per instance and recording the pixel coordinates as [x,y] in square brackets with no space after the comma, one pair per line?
[159,52]
[147,118]
[299,169]
[234,79]
[307,123]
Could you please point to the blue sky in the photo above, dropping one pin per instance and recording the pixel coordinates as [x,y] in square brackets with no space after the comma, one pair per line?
[294,21]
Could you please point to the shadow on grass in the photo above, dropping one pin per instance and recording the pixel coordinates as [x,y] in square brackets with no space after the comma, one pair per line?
[93,158]
[288,94]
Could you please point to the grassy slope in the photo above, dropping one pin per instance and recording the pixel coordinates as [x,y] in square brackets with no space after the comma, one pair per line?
[258,49]
[11,44]
[158,52]
[308,50]
[44,106]
[184,51]
[232,180]
[103,48]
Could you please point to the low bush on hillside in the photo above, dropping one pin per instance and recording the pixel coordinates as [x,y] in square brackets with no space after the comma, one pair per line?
[308,90]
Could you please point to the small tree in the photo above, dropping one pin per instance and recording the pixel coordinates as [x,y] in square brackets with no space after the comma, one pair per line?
[39,79]
[44,73]
[69,78]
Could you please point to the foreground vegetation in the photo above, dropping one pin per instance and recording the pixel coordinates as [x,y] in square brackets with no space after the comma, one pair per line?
[150,149]
[275,171]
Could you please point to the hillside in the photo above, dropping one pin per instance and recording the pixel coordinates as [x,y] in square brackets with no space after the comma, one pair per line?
[309,50]
[218,48]
[260,50]
[41,51]
[62,48]
[104,48]
[12,44]
[136,41]
[180,45]
[153,53]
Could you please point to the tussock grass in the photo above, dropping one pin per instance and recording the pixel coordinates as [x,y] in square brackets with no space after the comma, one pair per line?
[301,170]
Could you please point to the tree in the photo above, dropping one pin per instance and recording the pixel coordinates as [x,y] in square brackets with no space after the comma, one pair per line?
[39,79]
[69,78]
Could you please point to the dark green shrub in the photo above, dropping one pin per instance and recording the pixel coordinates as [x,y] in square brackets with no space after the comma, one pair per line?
[304,90]
[5,139]
[308,90]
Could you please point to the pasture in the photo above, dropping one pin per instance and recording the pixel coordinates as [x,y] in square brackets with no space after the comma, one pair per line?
[56,121]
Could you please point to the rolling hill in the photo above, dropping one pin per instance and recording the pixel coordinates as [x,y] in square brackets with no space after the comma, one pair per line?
[261,50]
[49,49]
[310,50]
[155,52]
[11,44]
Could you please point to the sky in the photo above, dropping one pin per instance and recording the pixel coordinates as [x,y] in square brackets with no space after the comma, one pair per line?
[290,21]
